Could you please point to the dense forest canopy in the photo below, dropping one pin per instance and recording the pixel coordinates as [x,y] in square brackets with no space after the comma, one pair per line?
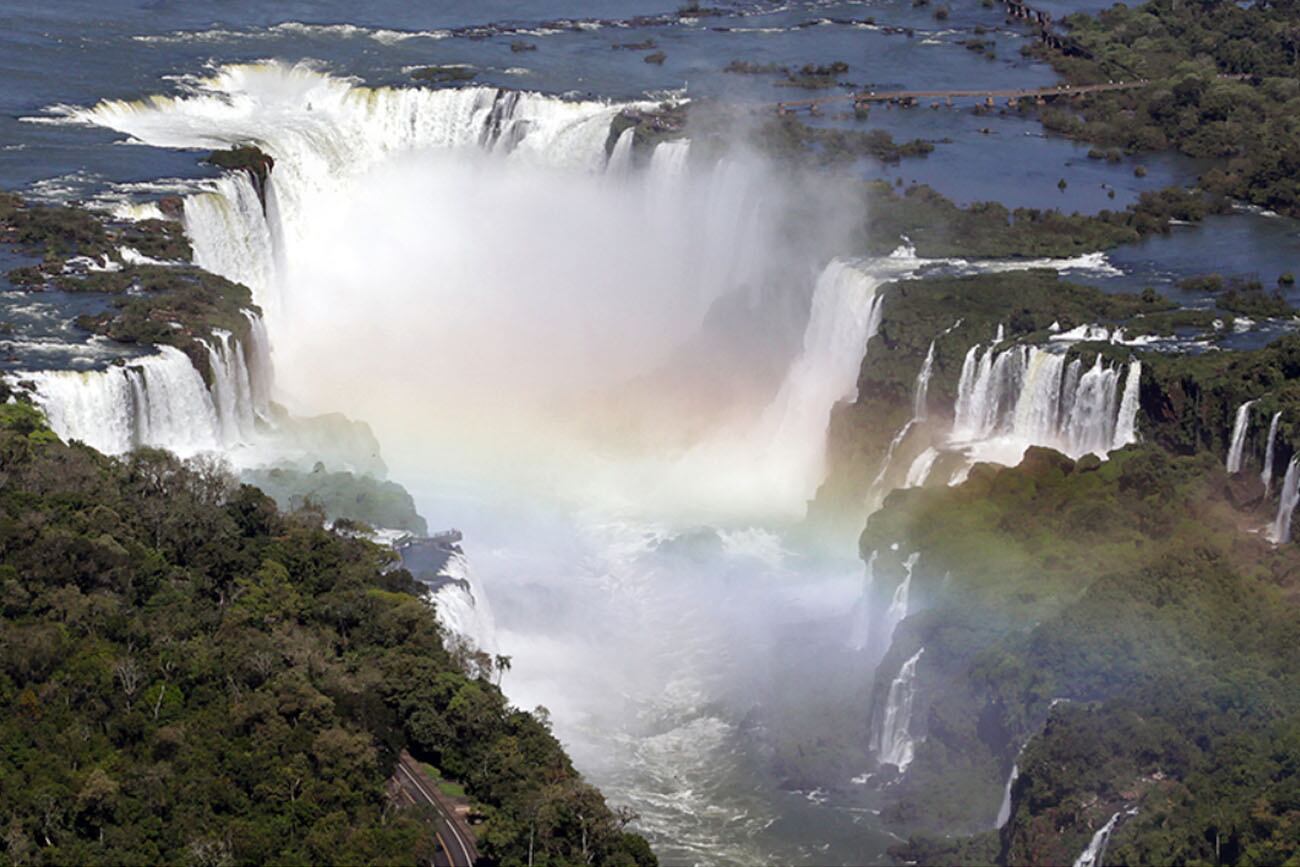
[191,676]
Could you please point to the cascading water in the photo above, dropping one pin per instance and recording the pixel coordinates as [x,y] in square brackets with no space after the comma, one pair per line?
[860,627]
[1266,474]
[899,604]
[462,605]
[792,432]
[1027,395]
[894,743]
[919,407]
[261,372]
[1091,856]
[919,471]
[1238,442]
[159,400]
[1004,811]
[620,158]
[1281,530]
[232,388]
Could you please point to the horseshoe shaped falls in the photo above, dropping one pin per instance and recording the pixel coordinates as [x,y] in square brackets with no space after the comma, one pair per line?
[819,432]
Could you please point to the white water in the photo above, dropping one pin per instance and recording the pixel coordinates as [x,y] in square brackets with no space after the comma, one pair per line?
[462,605]
[895,744]
[919,471]
[845,316]
[1091,856]
[1238,443]
[899,604]
[1266,474]
[158,400]
[1280,532]
[1025,395]
[919,408]
[232,388]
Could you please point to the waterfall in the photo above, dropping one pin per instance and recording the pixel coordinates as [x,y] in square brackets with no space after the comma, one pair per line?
[919,471]
[232,389]
[159,400]
[845,316]
[261,372]
[1238,442]
[1266,475]
[1004,811]
[898,605]
[1031,396]
[462,607]
[321,130]
[877,491]
[620,158]
[860,628]
[895,744]
[231,236]
[1091,856]
[919,411]
[1281,531]
[1126,424]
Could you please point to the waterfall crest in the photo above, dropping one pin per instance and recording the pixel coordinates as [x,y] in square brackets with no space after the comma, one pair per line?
[1238,443]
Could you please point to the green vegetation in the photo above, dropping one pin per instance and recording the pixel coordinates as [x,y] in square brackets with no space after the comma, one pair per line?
[190,676]
[341,496]
[172,306]
[914,312]
[1248,122]
[938,227]
[1128,588]
[61,232]
[786,137]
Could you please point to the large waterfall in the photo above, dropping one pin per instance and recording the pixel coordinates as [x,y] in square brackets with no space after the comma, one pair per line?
[845,316]
[323,131]
[894,741]
[1238,442]
[1035,396]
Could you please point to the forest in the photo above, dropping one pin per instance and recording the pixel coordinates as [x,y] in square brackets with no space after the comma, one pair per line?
[191,676]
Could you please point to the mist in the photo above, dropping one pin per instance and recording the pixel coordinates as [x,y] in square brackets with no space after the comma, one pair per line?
[615,379]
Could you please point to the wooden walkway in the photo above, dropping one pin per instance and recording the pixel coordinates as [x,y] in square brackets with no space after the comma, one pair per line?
[1011,95]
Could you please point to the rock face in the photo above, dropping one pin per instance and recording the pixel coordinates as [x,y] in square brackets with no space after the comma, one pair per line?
[250,159]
